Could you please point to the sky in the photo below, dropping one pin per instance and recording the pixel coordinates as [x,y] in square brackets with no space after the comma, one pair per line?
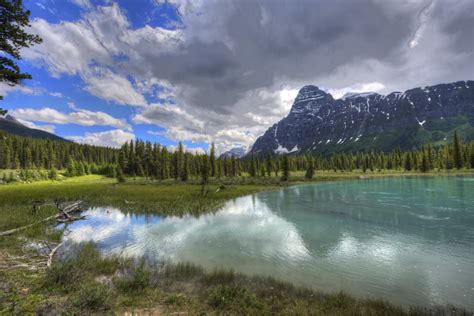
[223,71]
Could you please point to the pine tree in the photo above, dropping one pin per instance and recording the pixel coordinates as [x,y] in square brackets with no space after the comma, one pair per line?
[408,164]
[253,167]
[71,168]
[14,19]
[310,168]
[457,155]
[233,167]
[448,161]
[212,160]
[204,173]
[424,166]
[285,167]
[269,165]
[53,174]
[472,155]
[185,169]
[120,176]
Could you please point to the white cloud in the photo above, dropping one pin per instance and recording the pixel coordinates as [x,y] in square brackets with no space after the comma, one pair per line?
[232,75]
[7,89]
[46,128]
[79,117]
[56,94]
[357,88]
[112,138]
[112,87]
[82,3]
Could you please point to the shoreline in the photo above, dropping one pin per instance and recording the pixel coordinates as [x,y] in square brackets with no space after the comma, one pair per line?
[99,189]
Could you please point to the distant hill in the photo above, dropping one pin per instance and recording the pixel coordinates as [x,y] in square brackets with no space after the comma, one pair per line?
[10,125]
[237,152]
[320,124]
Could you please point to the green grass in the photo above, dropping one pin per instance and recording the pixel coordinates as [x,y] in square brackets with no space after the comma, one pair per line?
[96,284]
[84,282]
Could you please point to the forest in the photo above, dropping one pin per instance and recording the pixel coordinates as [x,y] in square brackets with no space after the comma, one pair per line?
[28,159]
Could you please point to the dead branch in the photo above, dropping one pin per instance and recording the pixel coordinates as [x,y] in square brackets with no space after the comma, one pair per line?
[64,212]
[51,255]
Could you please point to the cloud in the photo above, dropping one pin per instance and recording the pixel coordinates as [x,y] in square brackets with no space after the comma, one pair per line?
[112,138]
[7,89]
[358,88]
[83,3]
[112,87]
[56,94]
[46,128]
[232,69]
[79,117]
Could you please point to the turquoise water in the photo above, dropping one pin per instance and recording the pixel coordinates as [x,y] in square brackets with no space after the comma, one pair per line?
[407,240]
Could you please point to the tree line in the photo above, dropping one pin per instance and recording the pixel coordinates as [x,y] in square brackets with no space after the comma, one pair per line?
[153,161]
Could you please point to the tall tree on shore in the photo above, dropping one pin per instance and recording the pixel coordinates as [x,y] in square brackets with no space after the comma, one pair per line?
[309,168]
[212,160]
[204,173]
[424,166]
[457,155]
[185,168]
[269,165]
[253,167]
[13,20]
[285,168]
[408,162]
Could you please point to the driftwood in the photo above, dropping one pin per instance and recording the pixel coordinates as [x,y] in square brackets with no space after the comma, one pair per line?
[12,231]
[64,215]
[52,253]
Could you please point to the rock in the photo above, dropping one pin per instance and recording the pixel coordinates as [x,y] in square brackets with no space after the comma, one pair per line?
[319,124]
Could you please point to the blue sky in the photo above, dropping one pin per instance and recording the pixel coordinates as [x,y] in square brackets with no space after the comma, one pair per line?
[65,93]
[223,71]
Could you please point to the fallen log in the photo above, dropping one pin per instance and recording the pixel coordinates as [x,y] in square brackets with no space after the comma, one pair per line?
[12,231]
[52,253]
[64,212]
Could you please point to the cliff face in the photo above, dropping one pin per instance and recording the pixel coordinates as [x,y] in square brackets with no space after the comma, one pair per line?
[320,124]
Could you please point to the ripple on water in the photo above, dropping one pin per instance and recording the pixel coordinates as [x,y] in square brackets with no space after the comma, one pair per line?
[388,238]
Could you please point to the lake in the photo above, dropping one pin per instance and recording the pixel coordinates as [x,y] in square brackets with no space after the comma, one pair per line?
[409,240]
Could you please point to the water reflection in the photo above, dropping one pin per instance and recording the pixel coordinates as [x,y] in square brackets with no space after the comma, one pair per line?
[245,223]
[408,240]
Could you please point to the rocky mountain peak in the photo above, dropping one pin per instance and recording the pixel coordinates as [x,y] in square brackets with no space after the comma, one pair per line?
[319,124]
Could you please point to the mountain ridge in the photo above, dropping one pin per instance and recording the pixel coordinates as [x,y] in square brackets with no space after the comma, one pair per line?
[11,125]
[319,124]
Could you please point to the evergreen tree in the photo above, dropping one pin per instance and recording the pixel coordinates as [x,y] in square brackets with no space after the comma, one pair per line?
[204,173]
[185,169]
[424,166]
[285,168]
[457,155]
[310,168]
[14,19]
[269,165]
[233,163]
[408,164]
[120,176]
[71,168]
[253,167]
[53,174]
[212,160]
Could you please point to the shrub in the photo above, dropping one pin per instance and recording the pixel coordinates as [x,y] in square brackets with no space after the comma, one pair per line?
[92,296]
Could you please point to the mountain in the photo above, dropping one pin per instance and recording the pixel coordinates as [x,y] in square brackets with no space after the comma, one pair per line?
[11,125]
[237,152]
[318,123]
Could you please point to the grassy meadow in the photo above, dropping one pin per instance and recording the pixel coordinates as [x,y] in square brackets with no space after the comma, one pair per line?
[85,282]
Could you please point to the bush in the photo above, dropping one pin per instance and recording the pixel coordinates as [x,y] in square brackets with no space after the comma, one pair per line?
[232,298]
[137,280]
[92,296]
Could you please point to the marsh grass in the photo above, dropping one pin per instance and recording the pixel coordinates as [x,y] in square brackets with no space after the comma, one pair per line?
[84,282]
[140,285]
